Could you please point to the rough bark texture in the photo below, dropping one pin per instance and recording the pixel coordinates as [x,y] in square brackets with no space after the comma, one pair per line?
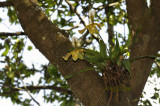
[145,42]
[88,86]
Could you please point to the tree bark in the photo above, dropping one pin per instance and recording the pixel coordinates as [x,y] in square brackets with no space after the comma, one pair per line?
[5,4]
[51,41]
[145,42]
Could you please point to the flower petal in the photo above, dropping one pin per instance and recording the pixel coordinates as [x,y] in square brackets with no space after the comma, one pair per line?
[82,31]
[96,31]
[81,54]
[67,56]
[98,25]
[75,55]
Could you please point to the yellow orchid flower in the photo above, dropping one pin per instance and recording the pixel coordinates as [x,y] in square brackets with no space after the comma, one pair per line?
[92,28]
[77,53]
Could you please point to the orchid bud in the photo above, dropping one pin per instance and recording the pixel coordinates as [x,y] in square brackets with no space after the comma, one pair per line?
[92,13]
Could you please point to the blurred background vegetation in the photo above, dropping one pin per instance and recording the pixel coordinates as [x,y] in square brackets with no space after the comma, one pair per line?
[71,16]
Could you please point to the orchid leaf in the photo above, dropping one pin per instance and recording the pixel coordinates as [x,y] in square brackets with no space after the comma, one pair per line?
[93,56]
[7,47]
[126,64]
[116,51]
[83,70]
[102,47]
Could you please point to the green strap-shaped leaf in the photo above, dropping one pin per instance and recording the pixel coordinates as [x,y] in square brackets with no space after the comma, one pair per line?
[126,64]
[102,47]
[146,56]
[116,51]
[83,70]
[93,56]
[128,42]
[125,47]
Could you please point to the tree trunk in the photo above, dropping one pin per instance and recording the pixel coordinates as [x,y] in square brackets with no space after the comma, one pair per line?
[145,42]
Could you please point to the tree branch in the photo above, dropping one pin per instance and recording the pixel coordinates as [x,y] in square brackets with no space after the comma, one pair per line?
[75,10]
[155,8]
[155,4]
[11,33]
[58,89]
[139,10]
[72,28]
[6,4]
[110,30]
[54,45]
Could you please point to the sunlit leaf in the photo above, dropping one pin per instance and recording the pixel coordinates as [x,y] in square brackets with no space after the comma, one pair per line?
[7,47]
[11,74]
[29,48]
[5,52]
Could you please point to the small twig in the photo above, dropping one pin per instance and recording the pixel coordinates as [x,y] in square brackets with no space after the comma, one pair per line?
[157,63]
[27,89]
[74,9]
[58,89]
[83,38]
[11,34]
[72,28]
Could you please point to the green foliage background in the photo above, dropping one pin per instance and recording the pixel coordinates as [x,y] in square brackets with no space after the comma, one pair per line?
[12,48]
